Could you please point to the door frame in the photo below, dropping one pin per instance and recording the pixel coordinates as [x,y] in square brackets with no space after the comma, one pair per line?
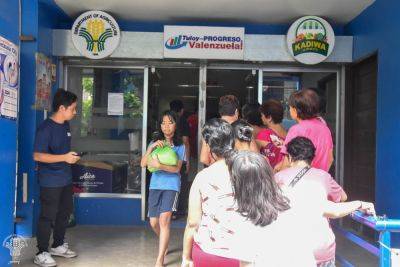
[284,68]
[340,107]
[63,79]
[203,66]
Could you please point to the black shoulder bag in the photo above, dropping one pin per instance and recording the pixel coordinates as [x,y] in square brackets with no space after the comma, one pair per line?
[299,176]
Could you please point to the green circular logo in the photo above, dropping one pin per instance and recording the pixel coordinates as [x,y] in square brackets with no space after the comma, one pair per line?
[310,40]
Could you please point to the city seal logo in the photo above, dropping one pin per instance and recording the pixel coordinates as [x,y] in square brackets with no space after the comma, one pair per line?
[15,244]
[95,34]
[310,40]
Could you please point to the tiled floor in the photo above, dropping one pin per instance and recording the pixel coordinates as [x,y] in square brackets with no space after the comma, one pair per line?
[113,246]
[137,247]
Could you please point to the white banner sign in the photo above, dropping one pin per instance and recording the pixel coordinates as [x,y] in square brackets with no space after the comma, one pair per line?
[9,82]
[204,42]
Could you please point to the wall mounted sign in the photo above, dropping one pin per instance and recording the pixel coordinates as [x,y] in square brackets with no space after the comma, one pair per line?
[204,42]
[95,34]
[310,40]
[9,83]
[43,82]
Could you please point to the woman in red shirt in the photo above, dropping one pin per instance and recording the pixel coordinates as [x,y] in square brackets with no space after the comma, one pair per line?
[271,139]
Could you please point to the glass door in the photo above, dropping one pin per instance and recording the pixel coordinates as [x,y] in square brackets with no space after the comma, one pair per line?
[179,87]
[215,82]
[109,128]
[280,85]
[241,83]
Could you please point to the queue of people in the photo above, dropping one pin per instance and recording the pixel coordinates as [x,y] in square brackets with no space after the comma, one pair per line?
[265,191]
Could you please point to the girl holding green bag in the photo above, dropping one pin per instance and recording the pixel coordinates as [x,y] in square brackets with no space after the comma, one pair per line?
[164,159]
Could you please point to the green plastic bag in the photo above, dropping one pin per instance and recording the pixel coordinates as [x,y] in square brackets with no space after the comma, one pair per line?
[166,156]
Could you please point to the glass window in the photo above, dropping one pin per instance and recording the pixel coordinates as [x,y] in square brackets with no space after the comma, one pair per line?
[112,141]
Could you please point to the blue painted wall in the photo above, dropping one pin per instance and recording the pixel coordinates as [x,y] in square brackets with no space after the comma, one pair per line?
[377,30]
[39,18]
[27,117]
[108,211]
[8,131]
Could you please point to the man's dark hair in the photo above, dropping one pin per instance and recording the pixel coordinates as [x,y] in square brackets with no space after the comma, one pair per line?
[251,113]
[256,193]
[176,105]
[242,131]
[63,98]
[306,102]
[274,109]
[228,104]
[218,134]
[301,148]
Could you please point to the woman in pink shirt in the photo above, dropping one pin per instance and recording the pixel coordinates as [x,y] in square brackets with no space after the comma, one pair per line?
[271,139]
[304,108]
[311,187]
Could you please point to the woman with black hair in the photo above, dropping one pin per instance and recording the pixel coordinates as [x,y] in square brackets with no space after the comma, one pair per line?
[306,185]
[212,218]
[278,232]
[165,182]
[252,115]
[243,135]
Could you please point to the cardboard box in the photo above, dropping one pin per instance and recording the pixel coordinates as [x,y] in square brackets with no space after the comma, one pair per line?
[99,177]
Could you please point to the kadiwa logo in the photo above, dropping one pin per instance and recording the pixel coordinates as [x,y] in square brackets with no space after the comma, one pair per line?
[95,34]
[310,37]
[175,42]
[310,40]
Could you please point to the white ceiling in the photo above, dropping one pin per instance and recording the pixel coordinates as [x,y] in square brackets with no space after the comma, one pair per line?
[241,11]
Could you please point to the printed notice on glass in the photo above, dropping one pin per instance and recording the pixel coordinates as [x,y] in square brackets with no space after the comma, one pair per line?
[115,104]
[9,82]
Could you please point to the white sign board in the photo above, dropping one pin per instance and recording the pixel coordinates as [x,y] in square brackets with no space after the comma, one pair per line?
[95,34]
[9,82]
[310,40]
[115,104]
[204,42]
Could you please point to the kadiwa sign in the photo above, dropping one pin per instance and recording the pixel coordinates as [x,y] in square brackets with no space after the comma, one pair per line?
[310,40]
[95,34]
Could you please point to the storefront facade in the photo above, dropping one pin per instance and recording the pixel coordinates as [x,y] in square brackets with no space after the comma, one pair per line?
[149,80]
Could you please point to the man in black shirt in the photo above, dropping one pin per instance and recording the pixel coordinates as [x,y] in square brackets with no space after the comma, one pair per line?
[53,154]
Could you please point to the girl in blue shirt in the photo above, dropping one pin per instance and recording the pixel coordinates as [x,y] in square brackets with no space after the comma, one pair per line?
[165,183]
